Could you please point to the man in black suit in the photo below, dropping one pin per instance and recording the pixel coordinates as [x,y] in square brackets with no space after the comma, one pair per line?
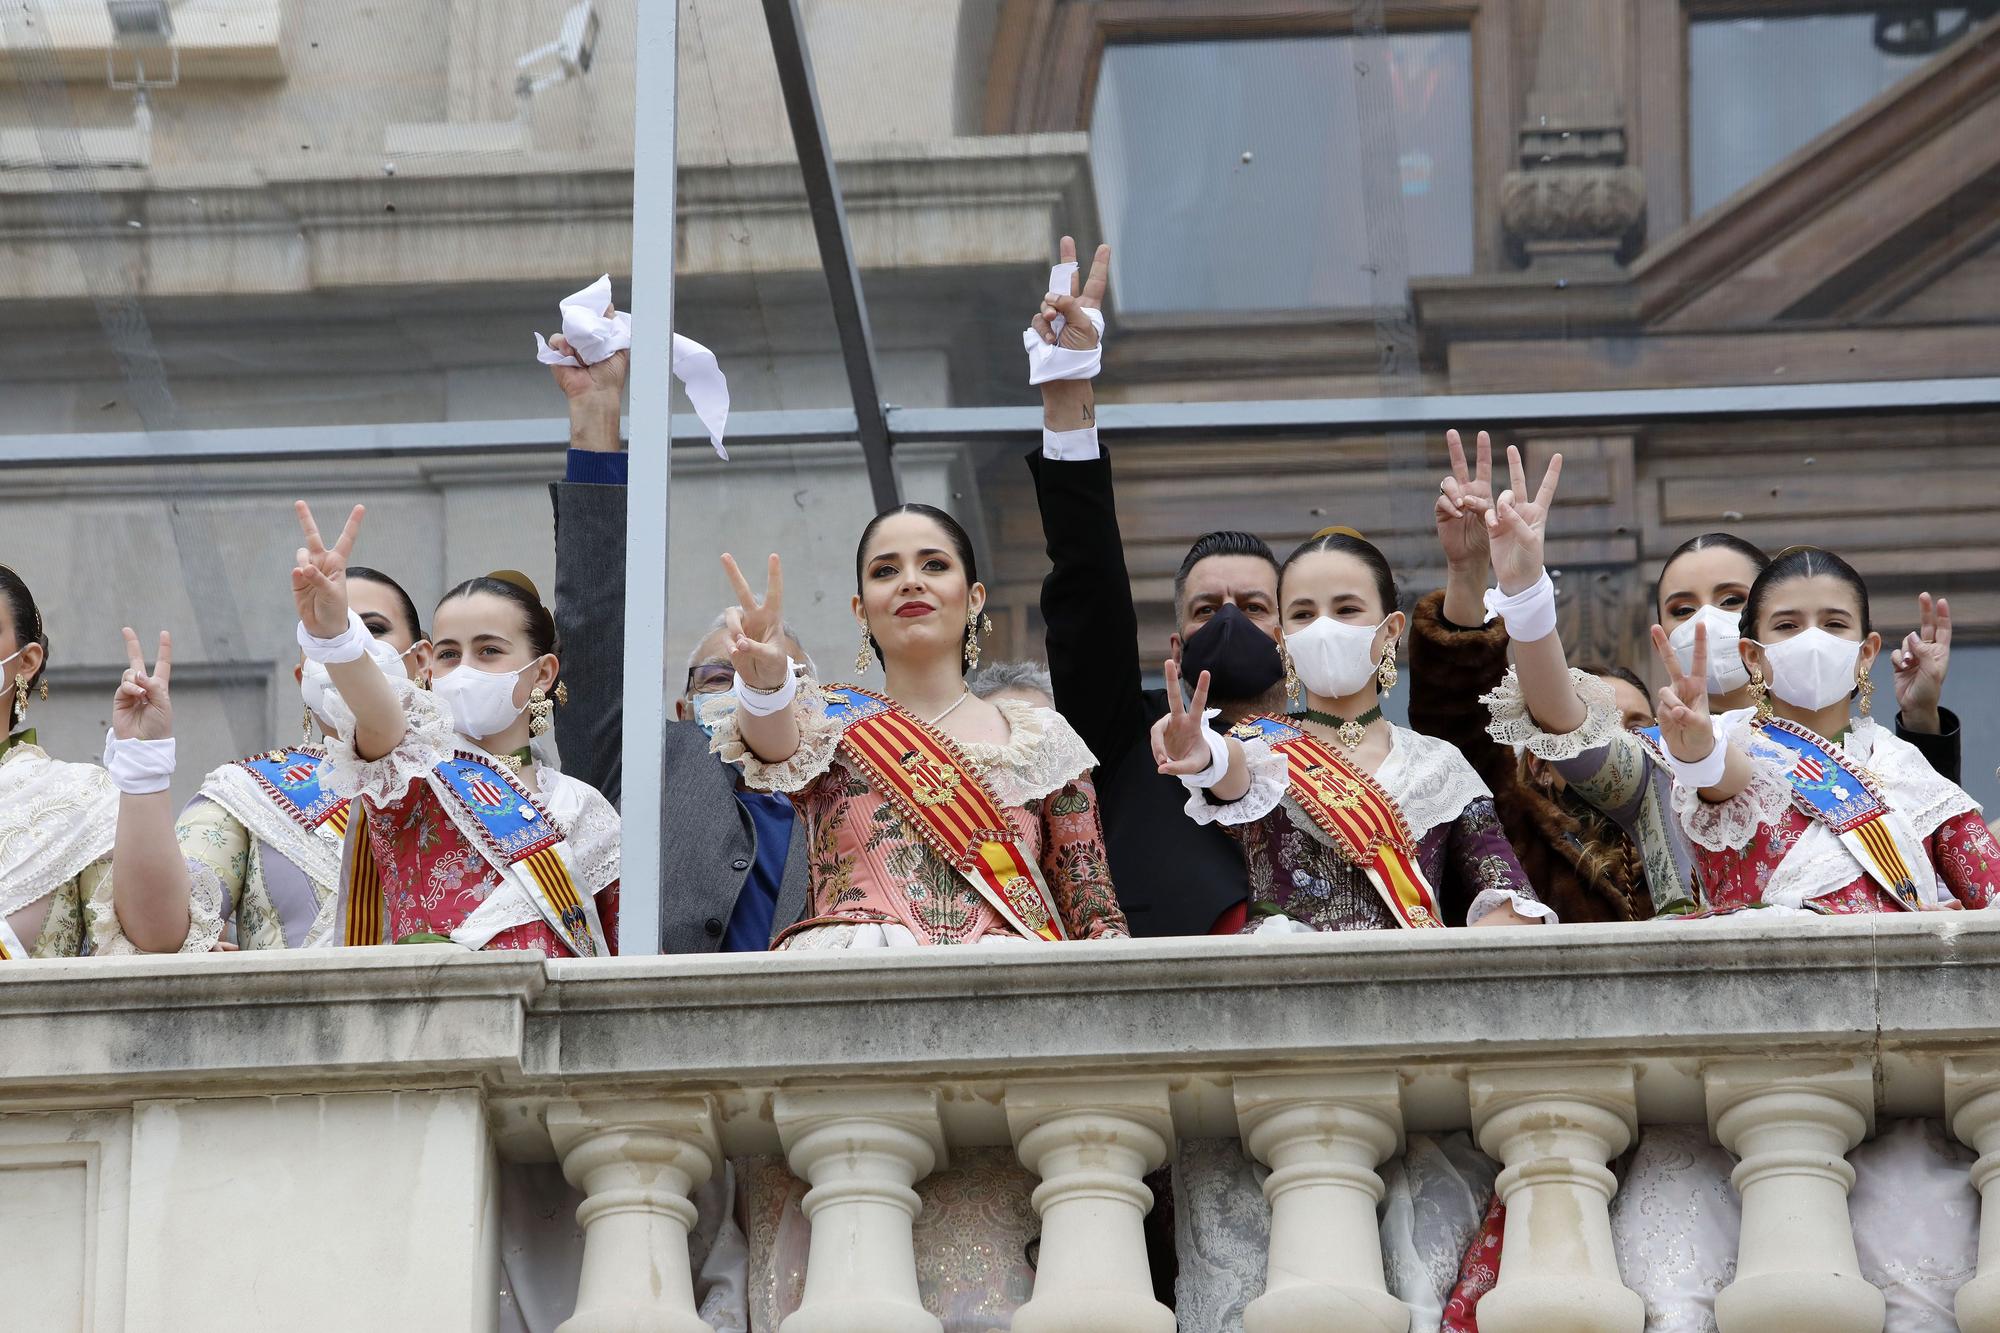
[1173,876]
[734,873]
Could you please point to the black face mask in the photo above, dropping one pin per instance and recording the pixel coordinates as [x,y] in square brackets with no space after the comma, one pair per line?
[1241,660]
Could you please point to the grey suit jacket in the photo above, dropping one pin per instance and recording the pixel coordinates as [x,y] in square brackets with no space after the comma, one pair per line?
[710,841]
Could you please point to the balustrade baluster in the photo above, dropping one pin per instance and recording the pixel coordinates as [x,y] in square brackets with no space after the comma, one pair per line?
[1792,1124]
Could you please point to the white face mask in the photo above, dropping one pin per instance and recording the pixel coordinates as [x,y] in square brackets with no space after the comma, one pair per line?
[1726,671]
[481,702]
[1333,658]
[315,685]
[1813,669]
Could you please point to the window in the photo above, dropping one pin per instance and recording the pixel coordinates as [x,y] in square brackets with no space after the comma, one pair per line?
[1257,194]
[1759,89]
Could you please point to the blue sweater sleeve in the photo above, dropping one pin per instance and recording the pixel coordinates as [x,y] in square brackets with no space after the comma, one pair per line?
[592,468]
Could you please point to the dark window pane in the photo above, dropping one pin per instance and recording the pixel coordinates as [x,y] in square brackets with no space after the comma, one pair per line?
[1274,175]
[1759,89]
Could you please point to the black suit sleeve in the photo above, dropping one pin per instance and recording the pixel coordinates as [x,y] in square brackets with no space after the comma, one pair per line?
[1093,630]
[1939,748]
[590,618]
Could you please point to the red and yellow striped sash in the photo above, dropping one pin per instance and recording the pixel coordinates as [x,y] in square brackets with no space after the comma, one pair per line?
[945,803]
[1362,820]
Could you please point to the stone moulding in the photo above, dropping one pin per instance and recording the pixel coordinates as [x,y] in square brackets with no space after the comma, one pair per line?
[1664,998]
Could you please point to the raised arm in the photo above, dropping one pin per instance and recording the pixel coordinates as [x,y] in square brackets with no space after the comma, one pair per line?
[1685,726]
[590,572]
[1516,528]
[763,669]
[1185,747]
[338,639]
[1092,628]
[150,886]
[1920,665]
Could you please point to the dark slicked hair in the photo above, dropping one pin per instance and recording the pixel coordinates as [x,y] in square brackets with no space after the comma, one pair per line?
[1626,674]
[1801,562]
[1728,541]
[1361,549]
[27,618]
[1219,543]
[413,622]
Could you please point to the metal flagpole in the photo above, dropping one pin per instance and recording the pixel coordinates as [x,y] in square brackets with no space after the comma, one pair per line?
[648,707]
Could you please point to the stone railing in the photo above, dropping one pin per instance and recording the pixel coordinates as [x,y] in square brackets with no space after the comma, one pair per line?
[310,1141]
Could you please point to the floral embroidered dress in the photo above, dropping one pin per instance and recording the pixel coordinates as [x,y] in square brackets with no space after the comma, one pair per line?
[1759,848]
[438,869]
[1299,880]
[253,858]
[58,822]
[874,880]
[1615,772]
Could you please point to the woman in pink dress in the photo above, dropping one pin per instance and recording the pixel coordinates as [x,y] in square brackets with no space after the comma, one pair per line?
[466,836]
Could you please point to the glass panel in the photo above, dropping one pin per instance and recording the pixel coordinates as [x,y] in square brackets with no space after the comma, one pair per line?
[1282,186]
[1747,107]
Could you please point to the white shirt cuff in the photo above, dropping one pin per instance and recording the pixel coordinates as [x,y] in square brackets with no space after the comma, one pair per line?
[763,703]
[1071,446]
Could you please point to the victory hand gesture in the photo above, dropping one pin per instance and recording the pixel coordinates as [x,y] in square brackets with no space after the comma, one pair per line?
[1078,333]
[755,649]
[1515,527]
[1923,659]
[605,379]
[1683,701]
[1179,745]
[141,708]
[319,575]
[1462,504]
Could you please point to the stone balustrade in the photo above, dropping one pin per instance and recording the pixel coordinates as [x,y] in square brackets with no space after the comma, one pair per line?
[172,1128]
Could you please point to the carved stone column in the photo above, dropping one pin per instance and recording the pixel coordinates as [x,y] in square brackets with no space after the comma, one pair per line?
[1792,1125]
[861,1151]
[1092,1143]
[1575,202]
[1323,1135]
[636,1162]
[1553,1131]
[1972,1101]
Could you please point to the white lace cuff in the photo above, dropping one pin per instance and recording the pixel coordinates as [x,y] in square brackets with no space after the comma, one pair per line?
[1729,826]
[427,740]
[1269,780]
[819,738]
[205,899]
[1492,900]
[1513,725]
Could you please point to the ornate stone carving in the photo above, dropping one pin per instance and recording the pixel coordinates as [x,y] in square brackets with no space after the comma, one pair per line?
[1573,213]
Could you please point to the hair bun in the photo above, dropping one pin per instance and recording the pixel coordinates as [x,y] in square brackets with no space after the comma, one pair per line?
[518,579]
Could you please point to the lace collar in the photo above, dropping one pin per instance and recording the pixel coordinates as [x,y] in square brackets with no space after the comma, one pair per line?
[56,818]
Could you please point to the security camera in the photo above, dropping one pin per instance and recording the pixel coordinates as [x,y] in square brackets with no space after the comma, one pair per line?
[571,53]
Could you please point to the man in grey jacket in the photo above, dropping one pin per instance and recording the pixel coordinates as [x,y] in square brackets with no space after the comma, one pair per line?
[733,860]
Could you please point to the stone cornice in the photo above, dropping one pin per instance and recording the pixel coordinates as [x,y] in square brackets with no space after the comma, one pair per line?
[1665,997]
[221,230]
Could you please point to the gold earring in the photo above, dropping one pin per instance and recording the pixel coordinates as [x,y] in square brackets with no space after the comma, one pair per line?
[21,697]
[45,691]
[1293,689]
[1867,689]
[562,695]
[539,709]
[1760,695]
[972,644]
[865,658]
[1385,675]
[306,731]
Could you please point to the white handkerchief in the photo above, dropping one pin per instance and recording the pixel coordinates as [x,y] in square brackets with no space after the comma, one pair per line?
[1053,361]
[1059,282]
[593,337]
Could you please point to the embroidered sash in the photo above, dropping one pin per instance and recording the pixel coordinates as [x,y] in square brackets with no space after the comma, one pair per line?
[516,838]
[1352,809]
[290,778]
[1830,789]
[944,802]
[10,943]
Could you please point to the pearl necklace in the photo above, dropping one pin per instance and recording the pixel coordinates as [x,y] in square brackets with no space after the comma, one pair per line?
[949,711]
